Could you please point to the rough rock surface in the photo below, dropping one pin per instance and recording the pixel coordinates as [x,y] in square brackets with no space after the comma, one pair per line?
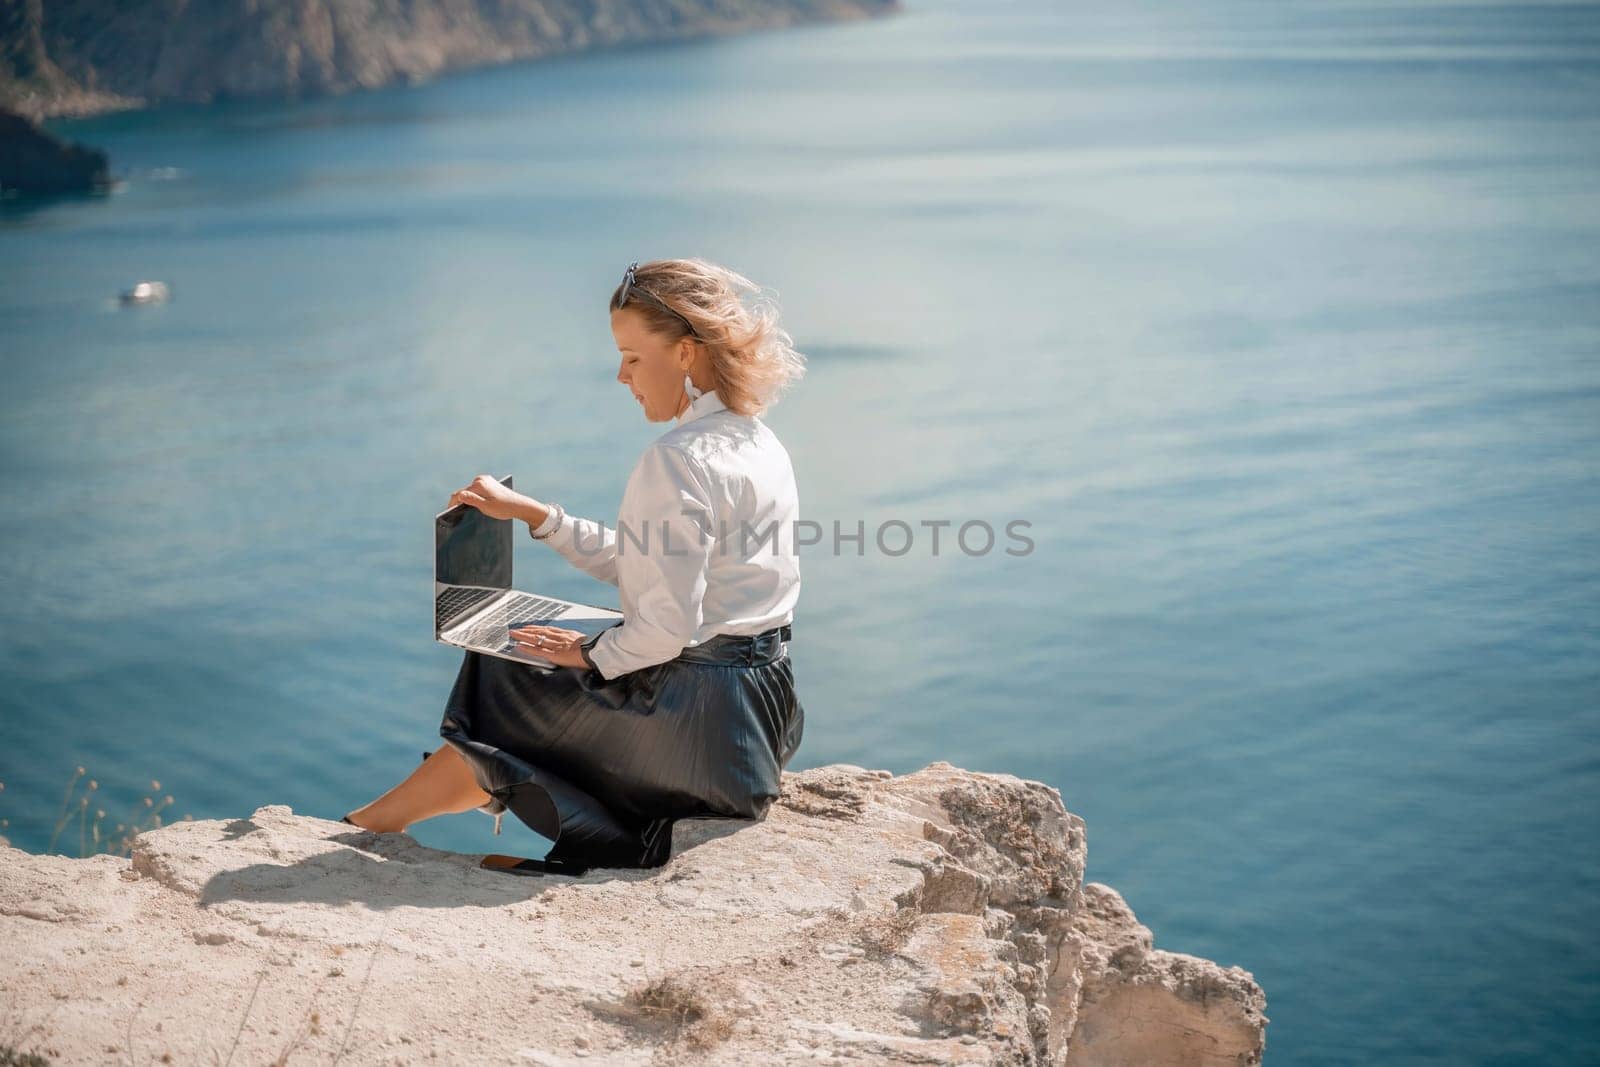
[938,917]
[73,57]
[33,160]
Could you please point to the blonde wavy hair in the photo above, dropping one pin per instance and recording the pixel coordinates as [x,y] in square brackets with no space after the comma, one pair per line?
[753,360]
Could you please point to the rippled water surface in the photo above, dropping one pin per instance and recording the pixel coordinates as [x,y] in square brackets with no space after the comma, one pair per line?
[1277,323]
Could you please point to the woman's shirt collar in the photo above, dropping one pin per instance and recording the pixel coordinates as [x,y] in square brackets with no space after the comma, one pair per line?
[704,404]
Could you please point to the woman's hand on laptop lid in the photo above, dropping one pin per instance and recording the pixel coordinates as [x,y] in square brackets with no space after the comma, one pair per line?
[496,501]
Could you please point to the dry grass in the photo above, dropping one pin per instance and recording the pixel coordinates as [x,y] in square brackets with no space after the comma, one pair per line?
[20,1046]
[684,1009]
[118,840]
[12,1042]
[711,1032]
[93,832]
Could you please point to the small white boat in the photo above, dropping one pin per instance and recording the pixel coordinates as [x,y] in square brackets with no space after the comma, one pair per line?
[146,293]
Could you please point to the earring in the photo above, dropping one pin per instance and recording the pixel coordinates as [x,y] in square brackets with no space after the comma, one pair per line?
[694,391]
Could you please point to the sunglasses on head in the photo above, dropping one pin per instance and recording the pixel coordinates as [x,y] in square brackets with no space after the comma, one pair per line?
[631,287]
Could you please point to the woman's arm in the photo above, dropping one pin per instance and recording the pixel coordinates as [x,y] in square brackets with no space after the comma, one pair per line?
[587,545]
[670,498]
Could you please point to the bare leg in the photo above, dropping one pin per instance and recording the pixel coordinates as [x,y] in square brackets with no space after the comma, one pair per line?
[442,784]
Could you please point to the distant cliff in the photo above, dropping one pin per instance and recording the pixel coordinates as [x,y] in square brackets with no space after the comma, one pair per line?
[74,57]
[34,161]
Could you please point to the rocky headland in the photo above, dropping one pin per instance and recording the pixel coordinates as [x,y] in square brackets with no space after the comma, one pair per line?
[35,161]
[938,917]
[78,57]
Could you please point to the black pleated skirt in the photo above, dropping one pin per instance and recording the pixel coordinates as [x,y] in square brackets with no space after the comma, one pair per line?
[603,768]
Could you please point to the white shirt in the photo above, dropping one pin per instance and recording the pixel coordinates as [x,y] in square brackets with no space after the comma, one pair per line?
[706,525]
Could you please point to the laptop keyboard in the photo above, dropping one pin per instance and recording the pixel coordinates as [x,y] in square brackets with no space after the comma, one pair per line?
[452,602]
[491,629]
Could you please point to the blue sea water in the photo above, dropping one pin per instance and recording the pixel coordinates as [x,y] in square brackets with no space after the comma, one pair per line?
[1279,324]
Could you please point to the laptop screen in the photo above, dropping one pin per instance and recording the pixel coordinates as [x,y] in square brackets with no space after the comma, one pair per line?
[470,548]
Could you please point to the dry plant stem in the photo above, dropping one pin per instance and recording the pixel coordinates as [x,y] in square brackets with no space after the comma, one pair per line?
[127,1036]
[359,993]
[61,819]
[91,837]
[245,1018]
[125,846]
[310,1024]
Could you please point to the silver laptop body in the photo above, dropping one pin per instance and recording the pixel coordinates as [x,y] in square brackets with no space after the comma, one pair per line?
[474,606]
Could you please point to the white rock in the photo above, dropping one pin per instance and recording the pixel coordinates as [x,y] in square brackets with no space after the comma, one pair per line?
[938,917]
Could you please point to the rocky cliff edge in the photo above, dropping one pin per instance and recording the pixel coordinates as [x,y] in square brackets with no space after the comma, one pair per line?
[938,917]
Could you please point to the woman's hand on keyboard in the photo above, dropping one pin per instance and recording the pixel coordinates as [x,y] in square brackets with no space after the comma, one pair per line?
[492,498]
[552,643]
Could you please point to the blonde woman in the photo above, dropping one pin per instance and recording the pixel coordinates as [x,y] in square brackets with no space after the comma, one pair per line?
[687,706]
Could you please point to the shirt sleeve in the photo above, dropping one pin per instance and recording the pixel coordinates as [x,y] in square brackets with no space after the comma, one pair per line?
[588,545]
[672,503]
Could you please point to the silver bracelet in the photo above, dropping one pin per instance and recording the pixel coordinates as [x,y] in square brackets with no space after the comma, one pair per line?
[561,516]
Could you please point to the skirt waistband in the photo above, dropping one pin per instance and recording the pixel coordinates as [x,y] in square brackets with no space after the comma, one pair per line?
[740,650]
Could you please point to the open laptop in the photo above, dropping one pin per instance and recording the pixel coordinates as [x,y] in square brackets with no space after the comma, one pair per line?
[474,605]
